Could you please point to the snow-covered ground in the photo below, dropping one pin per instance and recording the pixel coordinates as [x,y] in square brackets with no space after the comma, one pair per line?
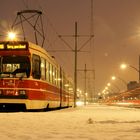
[92,122]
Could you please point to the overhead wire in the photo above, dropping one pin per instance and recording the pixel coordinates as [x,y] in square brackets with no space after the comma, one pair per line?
[56,37]
[26,4]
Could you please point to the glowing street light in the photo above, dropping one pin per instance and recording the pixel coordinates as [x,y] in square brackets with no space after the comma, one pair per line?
[114,78]
[106,88]
[108,84]
[124,66]
[11,36]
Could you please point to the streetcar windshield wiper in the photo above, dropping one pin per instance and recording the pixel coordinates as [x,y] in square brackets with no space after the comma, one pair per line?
[20,73]
[5,74]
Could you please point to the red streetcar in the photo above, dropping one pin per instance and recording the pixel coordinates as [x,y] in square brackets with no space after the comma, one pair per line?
[31,79]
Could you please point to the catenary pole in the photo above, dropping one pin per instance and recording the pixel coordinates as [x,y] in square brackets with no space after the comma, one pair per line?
[75,70]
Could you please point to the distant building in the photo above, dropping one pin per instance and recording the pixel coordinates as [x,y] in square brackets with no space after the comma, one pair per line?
[132,85]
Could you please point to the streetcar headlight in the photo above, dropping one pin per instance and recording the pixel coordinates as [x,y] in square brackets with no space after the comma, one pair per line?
[22,92]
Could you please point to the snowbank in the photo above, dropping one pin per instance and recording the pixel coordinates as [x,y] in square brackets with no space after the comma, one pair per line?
[93,122]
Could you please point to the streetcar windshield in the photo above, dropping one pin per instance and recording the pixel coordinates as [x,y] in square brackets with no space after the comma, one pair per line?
[14,66]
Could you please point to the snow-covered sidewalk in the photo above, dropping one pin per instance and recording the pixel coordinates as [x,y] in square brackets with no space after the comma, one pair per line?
[93,122]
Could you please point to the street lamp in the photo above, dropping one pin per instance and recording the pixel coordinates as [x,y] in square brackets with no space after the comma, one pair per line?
[109,84]
[124,66]
[114,78]
[109,89]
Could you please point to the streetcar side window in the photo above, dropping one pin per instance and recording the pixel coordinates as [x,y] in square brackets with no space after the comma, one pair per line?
[64,82]
[59,78]
[53,74]
[47,71]
[36,73]
[62,79]
[56,81]
[43,69]
[50,73]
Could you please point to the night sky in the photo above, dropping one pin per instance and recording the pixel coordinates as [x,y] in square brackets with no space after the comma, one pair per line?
[116,26]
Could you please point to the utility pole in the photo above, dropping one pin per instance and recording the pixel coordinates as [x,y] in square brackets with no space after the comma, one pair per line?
[85,95]
[91,88]
[76,50]
[92,46]
[85,70]
[75,70]
[139,69]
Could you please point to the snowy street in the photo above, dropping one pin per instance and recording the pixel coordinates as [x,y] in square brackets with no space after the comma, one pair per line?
[93,122]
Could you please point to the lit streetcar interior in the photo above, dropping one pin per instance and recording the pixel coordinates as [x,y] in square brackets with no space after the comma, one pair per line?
[14,66]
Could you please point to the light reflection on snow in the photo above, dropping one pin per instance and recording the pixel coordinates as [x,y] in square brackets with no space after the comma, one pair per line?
[127,104]
[79,103]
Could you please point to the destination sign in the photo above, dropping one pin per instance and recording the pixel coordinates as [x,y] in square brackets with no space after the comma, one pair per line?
[20,46]
[1,46]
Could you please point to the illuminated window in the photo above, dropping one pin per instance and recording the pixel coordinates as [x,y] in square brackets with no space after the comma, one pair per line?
[53,75]
[56,81]
[10,67]
[47,71]
[58,78]
[36,67]
[50,72]
[43,69]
